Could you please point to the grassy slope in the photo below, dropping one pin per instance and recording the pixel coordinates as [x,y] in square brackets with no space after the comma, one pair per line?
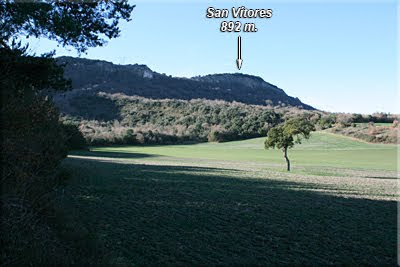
[232,203]
[322,150]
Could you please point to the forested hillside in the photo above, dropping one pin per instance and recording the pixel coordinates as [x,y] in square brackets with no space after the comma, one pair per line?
[119,119]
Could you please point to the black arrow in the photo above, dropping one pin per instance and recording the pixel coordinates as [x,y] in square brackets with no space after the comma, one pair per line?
[239,60]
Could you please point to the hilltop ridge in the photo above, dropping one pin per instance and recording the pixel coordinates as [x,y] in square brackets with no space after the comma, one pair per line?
[102,76]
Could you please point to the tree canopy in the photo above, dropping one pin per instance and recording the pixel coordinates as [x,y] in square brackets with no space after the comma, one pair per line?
[289,133]
[80,24]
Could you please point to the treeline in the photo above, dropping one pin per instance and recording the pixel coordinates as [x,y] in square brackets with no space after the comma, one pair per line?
[378,117]
[327,120]
[107,119]
[145,121]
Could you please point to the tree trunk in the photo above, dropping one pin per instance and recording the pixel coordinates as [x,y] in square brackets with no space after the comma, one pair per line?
[286,158]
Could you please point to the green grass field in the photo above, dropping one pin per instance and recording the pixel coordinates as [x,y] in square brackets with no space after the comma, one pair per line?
[234,203]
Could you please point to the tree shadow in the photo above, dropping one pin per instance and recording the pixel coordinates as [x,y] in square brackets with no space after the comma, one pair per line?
[88,105]
[116,155]
[382,177]
[150,215]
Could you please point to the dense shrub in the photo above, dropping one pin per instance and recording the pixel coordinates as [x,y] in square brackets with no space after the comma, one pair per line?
[219,134]
[74,137]
[344,119]
[370,133]
[326,121]
[33,139]
[33,146]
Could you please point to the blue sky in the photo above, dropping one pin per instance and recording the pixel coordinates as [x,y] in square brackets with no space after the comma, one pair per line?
[334,55]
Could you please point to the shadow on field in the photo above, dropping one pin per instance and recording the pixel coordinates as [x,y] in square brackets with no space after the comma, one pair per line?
[162,215]
[123,155]
[382,177]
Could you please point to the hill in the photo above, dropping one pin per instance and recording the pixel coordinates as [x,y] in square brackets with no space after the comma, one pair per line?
[131,104]
[139,80]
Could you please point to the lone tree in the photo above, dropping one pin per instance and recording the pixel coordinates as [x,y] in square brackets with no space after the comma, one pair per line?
[286,135]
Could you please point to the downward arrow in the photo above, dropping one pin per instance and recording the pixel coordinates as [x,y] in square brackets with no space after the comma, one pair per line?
[239,60]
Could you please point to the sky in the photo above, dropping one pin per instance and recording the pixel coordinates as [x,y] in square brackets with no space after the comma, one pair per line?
[337,56]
